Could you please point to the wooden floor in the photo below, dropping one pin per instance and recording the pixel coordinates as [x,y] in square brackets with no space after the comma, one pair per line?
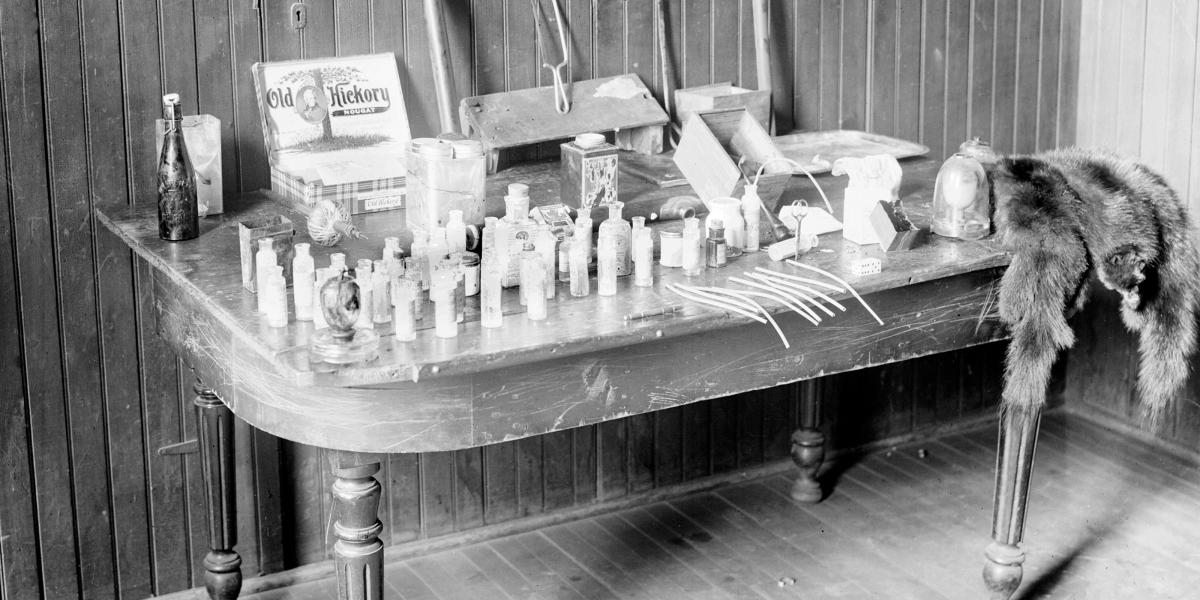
[1109,518]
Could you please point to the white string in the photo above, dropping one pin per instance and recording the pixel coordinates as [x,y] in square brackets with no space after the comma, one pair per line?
[719,303]
[783,298]
[798,166]
[833,288]
[797,289]
[796,286]
[841,281]
[746,297]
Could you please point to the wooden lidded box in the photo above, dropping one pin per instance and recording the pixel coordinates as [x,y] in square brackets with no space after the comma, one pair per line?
[723,96]
[713,143]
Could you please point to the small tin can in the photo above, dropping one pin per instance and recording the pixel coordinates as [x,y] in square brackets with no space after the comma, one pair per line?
[470,271]
[588,172]
[670,243]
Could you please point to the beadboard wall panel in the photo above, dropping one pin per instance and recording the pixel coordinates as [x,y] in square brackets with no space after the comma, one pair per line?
[1139,79]
[88,506]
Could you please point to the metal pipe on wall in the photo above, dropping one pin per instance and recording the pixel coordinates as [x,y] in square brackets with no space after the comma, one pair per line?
[443,71]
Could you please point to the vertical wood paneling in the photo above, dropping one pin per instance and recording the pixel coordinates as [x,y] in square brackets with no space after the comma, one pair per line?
[1028,64]
[1049,64]
[958,68]
[908,69]
[1137,91]
[829,82]
[33,237]
[882,118]
[855,57]
[983,28]
[1004,75]
[95,394]
[933,77]
[73,250]
[20,576]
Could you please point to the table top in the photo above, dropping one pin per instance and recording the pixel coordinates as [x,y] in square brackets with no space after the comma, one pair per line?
[584,364]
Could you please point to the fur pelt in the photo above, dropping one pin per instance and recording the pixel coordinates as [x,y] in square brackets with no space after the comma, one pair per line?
[1067,214]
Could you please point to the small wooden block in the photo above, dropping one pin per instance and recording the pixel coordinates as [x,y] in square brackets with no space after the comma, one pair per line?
[894,230]
[722,96]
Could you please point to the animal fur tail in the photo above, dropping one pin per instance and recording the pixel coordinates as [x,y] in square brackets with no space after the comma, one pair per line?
[1067,214]
[1043,280]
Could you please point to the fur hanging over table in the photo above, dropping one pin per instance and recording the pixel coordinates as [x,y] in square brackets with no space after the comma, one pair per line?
[1066,214]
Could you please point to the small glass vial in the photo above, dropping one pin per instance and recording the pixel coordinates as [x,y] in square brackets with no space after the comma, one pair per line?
[274,288]
[619,231]
[362,276]
[751,208]
[533,285]
[460,287]
[439,248]
[692,251]
[404,296]
[444,315]
[419,259]
[643,258]
[578,257]
[391,249]
[302,282]
[961,206]
[564,259]
[583,231]
[606,267]
[715,246]
[264,261]
[337,262]
[488,238]
[381,294]
[490,293]
[456,232]
[418,298]
[546,245]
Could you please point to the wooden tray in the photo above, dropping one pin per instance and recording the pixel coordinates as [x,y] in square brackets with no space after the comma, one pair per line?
[831,145]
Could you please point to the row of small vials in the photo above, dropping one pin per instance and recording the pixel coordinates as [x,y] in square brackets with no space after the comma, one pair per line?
[517,252]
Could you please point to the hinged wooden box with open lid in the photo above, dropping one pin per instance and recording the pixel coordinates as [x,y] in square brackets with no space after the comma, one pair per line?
[720,150]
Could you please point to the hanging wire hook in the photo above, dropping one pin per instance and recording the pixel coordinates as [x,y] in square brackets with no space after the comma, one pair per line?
[561,102]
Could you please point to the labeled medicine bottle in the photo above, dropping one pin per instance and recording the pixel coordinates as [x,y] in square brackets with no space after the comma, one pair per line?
[178,210]
[620,233]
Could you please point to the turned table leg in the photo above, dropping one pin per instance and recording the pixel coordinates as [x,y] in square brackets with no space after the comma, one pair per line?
[214,424]
[808,445]
[358,552]
[1018,437]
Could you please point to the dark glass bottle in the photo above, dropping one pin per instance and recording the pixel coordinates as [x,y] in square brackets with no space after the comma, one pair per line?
[178,211]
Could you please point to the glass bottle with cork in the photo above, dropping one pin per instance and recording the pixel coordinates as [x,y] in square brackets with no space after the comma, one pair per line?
[178,211]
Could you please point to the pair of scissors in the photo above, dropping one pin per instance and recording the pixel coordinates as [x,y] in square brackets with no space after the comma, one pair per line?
[561,102]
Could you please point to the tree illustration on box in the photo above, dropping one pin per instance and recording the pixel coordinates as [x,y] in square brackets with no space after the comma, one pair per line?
[319,78]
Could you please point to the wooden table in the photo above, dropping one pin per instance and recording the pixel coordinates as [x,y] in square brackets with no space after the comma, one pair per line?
[583,365]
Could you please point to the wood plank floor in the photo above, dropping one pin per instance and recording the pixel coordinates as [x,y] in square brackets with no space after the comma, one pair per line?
[1109,518]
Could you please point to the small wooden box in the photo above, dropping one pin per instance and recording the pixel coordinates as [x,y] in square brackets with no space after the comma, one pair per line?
[894,230]
[713,143]
[723,96]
